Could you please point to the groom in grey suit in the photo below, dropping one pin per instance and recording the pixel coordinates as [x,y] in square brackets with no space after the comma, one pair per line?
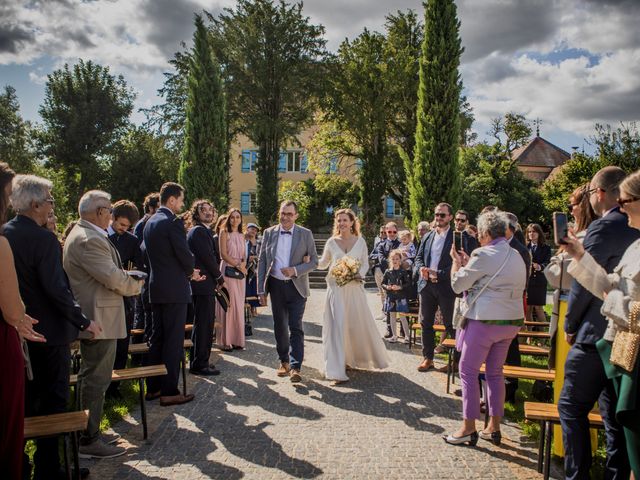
[283,273]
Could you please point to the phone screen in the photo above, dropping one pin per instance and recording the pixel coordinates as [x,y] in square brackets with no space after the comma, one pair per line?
[457,240]
[560,227]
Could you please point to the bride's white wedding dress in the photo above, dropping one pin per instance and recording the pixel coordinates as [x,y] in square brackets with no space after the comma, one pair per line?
[349,334]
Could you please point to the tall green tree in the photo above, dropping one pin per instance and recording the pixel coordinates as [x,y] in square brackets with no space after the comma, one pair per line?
[273,68]
[433,177]
[15,134]
[203,169]
[620,146]
[85,112]
[357,103]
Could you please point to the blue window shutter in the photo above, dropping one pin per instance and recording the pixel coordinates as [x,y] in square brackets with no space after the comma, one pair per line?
[359,163]
[304,164]
[333,165]
[246,161]
[282,162]
[245,202]
[390,206]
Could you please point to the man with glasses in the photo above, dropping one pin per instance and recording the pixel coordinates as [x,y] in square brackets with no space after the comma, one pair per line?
[380,258]
[99,282]
[585,381]
[461,222]
[433,269]
[47,297]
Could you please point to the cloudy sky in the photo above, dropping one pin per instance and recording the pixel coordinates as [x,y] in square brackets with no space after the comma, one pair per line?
[571,63]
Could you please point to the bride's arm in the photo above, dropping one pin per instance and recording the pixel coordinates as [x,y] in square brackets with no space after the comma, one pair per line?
[325,260]
[363,256]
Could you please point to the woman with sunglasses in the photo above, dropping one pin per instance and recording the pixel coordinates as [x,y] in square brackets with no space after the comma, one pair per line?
[620,292]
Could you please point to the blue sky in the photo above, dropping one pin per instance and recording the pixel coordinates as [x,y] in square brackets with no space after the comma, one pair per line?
[571,63]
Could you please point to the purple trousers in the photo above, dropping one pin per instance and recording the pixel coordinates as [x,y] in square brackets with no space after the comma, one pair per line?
[488,344]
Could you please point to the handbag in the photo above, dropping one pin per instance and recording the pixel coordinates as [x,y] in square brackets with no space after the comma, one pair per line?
[624,352]
[233,272]
[461,306]
[222,295]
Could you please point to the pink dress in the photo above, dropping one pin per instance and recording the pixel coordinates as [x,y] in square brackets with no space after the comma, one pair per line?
[230,324]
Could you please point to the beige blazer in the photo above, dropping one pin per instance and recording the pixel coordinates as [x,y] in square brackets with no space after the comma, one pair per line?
[97,279]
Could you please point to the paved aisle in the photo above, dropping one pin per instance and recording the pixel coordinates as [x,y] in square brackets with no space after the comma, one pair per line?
[248,423]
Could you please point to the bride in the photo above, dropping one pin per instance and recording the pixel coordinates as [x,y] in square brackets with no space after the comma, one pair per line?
[349,334]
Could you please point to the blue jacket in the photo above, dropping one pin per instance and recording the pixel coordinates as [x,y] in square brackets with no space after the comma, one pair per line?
[170,260]
[423,259]
[606,240]
[44,286]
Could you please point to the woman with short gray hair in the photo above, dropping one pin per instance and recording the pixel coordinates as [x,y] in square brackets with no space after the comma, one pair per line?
[494,279]
[30,189]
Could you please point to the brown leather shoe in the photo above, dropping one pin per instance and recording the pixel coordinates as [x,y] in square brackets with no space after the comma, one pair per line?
[426,365]
[176,399]
[294,376]
[283,371]
[152,396]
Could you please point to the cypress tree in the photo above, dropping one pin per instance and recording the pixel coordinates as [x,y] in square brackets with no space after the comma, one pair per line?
[203,170]
[433,175]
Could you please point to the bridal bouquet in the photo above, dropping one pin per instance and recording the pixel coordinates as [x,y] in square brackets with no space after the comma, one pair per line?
[345,270]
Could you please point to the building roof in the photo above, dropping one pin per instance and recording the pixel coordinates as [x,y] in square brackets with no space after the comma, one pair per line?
[540,153]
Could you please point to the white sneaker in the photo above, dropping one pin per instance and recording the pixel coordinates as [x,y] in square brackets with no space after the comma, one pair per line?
[392,340]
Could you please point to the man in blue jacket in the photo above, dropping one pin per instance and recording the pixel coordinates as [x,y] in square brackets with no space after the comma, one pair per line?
[172,266]
[585,381]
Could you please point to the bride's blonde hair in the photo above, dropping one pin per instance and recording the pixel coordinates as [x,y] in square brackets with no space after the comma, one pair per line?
[355,228]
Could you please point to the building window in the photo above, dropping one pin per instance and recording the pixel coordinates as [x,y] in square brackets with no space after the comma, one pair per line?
[249,159]
[292,161]
[248,203]
[393,208]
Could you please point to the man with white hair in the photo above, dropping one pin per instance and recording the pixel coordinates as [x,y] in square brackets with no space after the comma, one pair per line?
[99,283]
[47,297]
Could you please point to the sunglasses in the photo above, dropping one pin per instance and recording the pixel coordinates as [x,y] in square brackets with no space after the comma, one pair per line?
[441,215]
[463,220]
[623,201]
[571,206]
[392,231]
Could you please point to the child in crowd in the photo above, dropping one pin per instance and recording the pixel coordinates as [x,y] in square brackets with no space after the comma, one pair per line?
[407,247]
[396,280]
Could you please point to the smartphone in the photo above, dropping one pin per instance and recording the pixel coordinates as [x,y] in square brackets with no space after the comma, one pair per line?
[457,240]
[560,227]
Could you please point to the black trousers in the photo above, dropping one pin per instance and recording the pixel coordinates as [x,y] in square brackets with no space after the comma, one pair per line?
[142,317]
[513,358]
[46,394]
[432,296]
[288,309]
[202,333]
[122,344]
[585,383]
[166,345]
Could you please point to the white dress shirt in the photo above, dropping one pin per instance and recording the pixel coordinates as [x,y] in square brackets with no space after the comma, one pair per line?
[436,248]
[283,254]
[97,228]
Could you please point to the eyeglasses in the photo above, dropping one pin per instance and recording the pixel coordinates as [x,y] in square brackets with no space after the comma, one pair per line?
[591,191]
[393,232]
[571,206]
[441,215]
[287,214]
[463,220]
[109,209]
[50,200]
[623,201]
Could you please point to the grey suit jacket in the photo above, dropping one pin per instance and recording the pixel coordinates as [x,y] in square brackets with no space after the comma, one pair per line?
[302,244]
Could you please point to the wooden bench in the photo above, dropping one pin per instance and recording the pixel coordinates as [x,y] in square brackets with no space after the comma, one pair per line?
[140,331]
[139,348]
[139,374]
[547,414]
[68,425]
[536,324]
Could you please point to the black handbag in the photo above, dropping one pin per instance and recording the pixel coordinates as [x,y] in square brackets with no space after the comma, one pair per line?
[233,272]
[222,295]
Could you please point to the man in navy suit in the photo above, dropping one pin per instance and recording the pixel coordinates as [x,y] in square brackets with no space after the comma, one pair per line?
[585,381]
[201,244]
[433,269]
[461,222]
[124,215]
[47,297]
[172,266]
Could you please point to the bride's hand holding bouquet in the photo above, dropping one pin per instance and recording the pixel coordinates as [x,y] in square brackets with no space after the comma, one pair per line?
[346,270]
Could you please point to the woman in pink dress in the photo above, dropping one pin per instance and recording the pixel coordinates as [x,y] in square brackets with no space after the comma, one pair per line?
[233,253]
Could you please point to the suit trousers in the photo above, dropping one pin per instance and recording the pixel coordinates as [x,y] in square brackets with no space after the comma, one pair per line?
[166,345]
[46,394]
[93,380]
[288,308]
[585,383]
[122,344]
[202,333]
[433,296]
[513,358]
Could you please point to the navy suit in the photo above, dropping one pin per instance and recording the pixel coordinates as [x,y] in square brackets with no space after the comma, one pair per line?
[47,297]
[585,381]
[469,243]
[142,315]
[171,264]
[380,254]
[202,245]
[434,295]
